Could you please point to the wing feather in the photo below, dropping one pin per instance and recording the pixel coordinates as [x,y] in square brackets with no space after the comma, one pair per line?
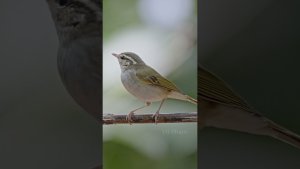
[151,77]
[212,88]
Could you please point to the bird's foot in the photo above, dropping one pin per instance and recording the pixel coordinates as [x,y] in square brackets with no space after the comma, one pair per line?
[155,117]
[129,117]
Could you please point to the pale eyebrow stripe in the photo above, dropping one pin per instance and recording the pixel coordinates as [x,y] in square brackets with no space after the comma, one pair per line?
[131,59]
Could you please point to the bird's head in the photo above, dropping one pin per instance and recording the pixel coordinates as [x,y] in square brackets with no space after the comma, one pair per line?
[76,17]
[127,59]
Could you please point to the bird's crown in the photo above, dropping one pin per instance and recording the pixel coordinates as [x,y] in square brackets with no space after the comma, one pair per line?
[128,58]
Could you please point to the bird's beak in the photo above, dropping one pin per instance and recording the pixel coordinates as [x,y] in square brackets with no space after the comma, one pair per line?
[116,55]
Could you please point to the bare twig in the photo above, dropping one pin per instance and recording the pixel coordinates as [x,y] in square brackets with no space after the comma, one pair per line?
[147,118]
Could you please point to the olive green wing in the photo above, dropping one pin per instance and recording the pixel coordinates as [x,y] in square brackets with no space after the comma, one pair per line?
[212,88]
[149,76]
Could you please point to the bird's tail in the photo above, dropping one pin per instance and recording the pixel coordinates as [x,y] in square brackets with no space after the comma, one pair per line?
[180,96]
[192,100]
[284,135]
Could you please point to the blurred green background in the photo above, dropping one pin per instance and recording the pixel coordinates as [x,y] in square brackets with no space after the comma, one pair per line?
[163,34]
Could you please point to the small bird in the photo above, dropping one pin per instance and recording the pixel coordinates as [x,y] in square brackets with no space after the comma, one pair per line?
[146,84]
[220,107]
[79,28]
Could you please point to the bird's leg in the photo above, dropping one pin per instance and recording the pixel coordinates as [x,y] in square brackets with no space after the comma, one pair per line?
[156,114]
[130,114]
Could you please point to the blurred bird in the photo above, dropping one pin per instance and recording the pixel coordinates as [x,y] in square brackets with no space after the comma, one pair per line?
[79,28]
[220,107]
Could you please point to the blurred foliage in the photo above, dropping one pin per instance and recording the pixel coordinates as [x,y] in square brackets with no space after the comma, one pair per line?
[115,20]
[117,154]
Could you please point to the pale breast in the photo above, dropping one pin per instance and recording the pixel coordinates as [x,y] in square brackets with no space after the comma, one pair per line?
[142,91]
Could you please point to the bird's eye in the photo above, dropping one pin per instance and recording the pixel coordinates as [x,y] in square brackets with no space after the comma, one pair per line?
[122,57]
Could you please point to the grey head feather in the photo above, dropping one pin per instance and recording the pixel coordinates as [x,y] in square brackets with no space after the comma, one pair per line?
[134,56]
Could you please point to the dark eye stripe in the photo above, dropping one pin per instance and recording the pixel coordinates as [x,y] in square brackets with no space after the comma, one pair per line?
[124,57]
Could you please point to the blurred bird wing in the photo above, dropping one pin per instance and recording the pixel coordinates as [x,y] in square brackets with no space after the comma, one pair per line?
[212,88]
[151,77]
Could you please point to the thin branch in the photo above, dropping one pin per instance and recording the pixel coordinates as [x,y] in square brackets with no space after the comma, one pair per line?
[147,118]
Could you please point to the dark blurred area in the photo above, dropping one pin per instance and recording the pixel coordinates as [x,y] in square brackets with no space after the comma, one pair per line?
[40,124]
[254,46]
